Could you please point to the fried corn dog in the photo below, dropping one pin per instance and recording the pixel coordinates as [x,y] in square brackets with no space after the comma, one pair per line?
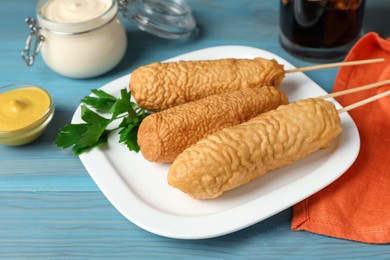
[239,154]
[164,135]
[159,86]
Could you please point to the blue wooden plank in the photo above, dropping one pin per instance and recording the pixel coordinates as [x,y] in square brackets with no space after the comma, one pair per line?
[85,225]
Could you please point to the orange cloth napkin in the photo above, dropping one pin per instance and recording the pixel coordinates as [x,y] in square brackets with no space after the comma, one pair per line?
[357,205]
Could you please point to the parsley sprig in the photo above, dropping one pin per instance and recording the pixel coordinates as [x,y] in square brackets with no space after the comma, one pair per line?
[96,129]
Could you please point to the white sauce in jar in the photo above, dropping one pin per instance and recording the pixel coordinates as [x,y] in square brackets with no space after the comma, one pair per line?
[74,11]
[83,38]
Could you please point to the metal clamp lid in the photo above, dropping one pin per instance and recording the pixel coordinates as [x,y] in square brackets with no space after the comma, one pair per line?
[28,54]
[171,19]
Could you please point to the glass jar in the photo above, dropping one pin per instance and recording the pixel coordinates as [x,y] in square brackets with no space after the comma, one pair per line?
[170,19]
[77,49]
[84,47]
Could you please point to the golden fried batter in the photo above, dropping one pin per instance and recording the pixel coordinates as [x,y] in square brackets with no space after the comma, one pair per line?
[239,154]
[159,86]
[164,135]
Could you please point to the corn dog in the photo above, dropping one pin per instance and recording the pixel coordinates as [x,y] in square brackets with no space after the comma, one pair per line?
[164,135]
[159,86]
[239,154]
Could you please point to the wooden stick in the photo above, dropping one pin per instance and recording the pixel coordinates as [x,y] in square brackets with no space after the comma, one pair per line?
[332,65]
[363,102]
[353,90]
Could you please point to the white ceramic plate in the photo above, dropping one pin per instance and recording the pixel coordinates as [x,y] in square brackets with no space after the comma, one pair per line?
[138,189]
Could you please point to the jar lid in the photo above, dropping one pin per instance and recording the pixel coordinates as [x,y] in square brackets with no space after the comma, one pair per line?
[171,19]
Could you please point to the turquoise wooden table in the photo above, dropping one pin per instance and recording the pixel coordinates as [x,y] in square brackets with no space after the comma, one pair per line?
[51,208]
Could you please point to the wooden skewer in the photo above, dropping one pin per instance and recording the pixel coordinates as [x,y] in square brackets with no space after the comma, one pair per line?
[363,102]
[353,90]
[337,64]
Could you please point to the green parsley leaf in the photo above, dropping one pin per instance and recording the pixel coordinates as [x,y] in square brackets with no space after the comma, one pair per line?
[70,134]
[128,133]
[103,102]
[79,149]
[122,105]
[91,117]
[96,129]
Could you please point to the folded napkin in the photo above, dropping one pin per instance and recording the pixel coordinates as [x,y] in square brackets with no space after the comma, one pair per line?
[357,205]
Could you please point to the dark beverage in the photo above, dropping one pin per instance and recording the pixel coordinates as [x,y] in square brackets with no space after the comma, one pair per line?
[322,30]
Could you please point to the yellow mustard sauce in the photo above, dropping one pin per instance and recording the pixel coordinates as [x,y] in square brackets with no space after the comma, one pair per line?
[20,108]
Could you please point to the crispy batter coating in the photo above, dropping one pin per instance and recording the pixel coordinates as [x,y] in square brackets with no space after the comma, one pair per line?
[159,86]
[239,154]
[164,135]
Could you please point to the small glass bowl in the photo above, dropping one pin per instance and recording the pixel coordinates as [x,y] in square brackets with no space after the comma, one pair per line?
[31,131]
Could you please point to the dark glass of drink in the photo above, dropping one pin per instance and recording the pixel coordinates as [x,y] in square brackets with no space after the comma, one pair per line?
[320,30]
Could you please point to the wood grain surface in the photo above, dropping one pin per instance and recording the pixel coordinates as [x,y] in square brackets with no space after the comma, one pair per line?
[50,208]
